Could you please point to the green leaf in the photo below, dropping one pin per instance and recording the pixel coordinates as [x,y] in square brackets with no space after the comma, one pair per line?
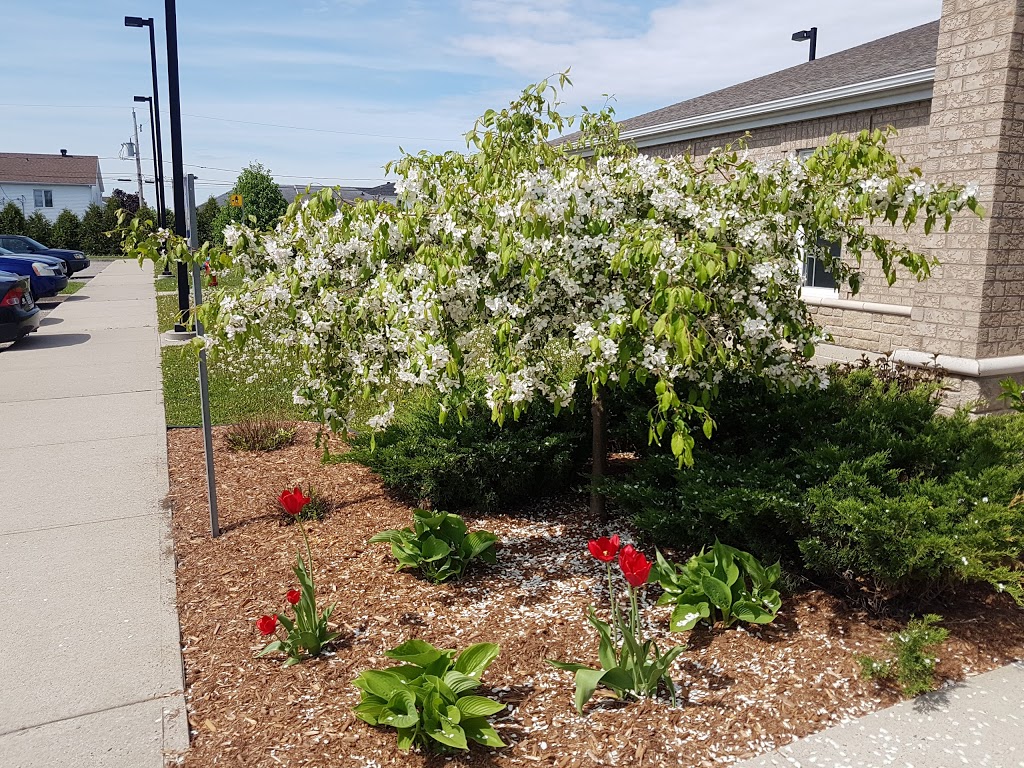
[718,592]
[477,542]
[418,652]
[369,709]
[460,683]
[434,549]
[685,616]
[391,537]
[448,733]
[587,681]
[406,738]
[751,612]
[482,732]
[380,683]
[400,711]
[478,706]
[476,658]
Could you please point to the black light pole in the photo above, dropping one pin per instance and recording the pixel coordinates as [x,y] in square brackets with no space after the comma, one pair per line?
[161,214]
[157,178]
[177,161]
[808,34]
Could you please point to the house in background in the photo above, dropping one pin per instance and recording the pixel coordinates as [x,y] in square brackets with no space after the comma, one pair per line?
[954,89]
[50,183]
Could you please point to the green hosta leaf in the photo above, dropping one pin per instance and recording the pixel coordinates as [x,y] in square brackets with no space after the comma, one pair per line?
[477,543]
[391,537]
[418,652]
[460,683]
[448,733]
[400,711]
[380,683]
[406,738]
[482,732]
[718,592]
[369,709]
[685,616]
[476,658]
[478,706]
[770,600]
[434,549]
[751,612]
[453,529]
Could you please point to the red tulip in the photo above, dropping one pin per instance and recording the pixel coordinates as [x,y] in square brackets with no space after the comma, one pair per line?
[293,596]
[635,567]
[604,549]
[266,624]
[293,501]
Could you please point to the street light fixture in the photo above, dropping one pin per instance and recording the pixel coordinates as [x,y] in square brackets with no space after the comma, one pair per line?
[154,113]
[808,34]
[157,167]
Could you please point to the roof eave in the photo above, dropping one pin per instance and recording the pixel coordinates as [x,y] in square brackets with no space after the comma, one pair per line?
[887,91]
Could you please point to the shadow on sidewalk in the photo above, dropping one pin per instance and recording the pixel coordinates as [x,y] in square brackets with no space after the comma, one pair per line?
[51,341]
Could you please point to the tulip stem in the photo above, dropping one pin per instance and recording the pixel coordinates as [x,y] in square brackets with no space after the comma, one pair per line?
[614,602]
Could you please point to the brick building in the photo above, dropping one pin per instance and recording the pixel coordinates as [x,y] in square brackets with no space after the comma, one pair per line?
[954,89]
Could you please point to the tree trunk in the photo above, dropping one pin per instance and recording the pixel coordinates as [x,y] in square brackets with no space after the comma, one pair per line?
[599,455]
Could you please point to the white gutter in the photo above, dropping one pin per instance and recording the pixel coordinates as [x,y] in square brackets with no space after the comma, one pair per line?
[886,91]
[963,366]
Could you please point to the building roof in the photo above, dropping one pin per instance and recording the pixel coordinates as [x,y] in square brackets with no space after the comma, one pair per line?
[29,168]
[899,65]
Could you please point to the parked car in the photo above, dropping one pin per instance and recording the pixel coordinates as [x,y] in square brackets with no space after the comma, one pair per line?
[47,274]
[19,314]
[76,260]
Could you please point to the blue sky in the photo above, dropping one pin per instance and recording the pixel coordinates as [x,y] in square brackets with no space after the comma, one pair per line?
[364,77]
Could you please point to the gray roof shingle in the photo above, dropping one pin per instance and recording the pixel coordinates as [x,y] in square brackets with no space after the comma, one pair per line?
[908,51]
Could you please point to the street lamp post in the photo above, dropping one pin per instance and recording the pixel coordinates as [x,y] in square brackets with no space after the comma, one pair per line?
[137,21]
[157,176]
[177,159]
[810,35]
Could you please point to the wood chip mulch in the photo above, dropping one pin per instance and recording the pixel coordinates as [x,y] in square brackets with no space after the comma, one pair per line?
[743,691]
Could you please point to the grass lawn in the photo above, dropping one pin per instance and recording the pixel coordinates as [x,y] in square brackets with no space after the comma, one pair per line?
[73,286]
[231,398]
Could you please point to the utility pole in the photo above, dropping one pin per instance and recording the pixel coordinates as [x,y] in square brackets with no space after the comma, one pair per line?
[138,158]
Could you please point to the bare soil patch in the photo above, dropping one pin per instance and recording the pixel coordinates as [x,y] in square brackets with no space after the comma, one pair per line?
[743,691]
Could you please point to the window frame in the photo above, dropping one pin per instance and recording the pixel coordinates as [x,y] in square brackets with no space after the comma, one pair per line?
[42,198]
[818,291]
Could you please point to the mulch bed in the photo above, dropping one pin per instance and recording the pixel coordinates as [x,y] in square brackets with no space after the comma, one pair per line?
[743,691]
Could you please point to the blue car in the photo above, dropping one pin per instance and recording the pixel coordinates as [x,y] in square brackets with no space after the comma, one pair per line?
[47,274]
[76,261]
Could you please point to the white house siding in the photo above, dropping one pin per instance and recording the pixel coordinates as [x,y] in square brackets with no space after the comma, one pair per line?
[75,197]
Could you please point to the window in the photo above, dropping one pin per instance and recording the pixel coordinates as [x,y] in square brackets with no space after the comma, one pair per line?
[43,198]
[814,273]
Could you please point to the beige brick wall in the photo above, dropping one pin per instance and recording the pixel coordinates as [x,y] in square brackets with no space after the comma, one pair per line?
[972,130]
[873,333]
[972,306]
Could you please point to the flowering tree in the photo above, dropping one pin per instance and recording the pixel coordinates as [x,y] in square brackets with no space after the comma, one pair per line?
[527,266]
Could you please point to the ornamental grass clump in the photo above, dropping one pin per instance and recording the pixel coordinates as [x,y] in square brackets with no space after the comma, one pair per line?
[429,697]
[630,665]
[307,632]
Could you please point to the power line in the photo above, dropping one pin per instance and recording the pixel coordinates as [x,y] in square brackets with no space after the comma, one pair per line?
[246,122]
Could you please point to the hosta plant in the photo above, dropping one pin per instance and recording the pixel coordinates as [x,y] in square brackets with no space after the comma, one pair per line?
[438,545]
[308,632]
[429,697]
[630,665]
[723,584]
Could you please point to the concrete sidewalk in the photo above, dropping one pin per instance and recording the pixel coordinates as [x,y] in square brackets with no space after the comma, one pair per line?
[977,723]
[91,669]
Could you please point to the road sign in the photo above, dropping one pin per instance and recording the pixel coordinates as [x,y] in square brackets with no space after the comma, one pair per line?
[235,201]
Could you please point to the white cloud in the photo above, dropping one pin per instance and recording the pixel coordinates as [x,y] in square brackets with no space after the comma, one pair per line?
[686,48]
